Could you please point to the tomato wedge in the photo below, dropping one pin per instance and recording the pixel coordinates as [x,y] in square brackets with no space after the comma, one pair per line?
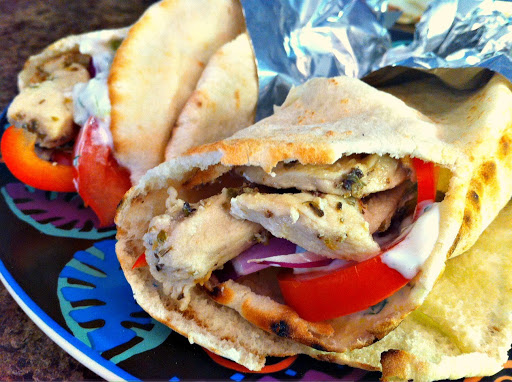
[426,176]
[18,153]
[319,296]
[281,365]
[98,178]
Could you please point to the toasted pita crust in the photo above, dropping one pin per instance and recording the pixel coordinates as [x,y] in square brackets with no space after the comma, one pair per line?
[223,102]
[156,70]
[327,118]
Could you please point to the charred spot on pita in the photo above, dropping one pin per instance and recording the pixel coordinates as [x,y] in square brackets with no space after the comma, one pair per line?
[220,293]
[504,146]
[215,292]
[474,198]
[454,245]
[280,328]
[477,186]
[488,171]
[468,219]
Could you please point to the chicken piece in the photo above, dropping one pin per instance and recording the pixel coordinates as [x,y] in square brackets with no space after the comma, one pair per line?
[45,111]
[46,108]
[187,243]
[354,175]
[329,225]
[381,207]
[54,64]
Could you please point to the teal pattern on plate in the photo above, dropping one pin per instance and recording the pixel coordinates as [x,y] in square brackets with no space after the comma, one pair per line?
[98,306]
[54,213]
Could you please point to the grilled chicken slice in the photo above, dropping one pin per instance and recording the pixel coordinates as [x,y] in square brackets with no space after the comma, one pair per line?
[329,225]
[46,108]
[354,175]
[48,69]
[381,207]
[188,242]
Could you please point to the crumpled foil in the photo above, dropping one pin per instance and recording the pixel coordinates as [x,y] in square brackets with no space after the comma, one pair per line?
[295,40]
[458,34]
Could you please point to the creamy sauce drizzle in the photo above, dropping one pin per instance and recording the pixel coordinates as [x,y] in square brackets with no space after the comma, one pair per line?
[408,256]
[91,98]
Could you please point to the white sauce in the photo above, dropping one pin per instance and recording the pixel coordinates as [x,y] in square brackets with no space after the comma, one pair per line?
[408,256]
[91,98]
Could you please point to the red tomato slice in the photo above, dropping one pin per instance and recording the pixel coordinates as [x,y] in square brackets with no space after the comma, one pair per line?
[323,296]
[426,176]
[99,179]
[18,153]
[281,365]
[318,297]
[62,157]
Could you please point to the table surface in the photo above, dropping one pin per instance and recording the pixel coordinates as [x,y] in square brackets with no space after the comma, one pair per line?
[26,27]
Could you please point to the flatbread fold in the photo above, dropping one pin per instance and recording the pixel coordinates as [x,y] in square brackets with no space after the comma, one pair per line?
[223,102]
[466,133]
[156,70]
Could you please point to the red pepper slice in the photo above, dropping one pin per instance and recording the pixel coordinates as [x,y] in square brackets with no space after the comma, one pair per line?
[322,296]
[18,153]
[140,262]
[281,365]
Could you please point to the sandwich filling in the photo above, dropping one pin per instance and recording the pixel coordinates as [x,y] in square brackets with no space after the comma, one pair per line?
[64,105]
[332,215]
[64,91]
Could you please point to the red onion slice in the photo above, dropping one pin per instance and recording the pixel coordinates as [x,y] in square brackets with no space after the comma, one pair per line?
[275,247]
[295,260]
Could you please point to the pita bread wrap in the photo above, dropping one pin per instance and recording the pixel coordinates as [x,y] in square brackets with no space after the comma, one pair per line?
[162,59]
[223,102]
[465,133]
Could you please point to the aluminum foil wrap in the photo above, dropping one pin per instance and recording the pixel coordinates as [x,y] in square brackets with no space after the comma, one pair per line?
[296,40]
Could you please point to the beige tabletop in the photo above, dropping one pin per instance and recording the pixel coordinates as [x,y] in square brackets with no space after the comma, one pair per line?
[27,26]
